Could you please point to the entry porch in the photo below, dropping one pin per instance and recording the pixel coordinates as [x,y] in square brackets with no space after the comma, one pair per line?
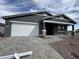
[55,27]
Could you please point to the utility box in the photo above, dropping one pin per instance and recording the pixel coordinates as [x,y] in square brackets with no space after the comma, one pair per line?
[44,33]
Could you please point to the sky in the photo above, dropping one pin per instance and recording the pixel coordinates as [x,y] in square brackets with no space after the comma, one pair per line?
[68,7]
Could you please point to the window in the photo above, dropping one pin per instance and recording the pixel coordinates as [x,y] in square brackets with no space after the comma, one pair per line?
[60,28]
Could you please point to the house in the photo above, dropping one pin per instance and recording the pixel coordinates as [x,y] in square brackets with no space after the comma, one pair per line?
[32,24]
[2,27]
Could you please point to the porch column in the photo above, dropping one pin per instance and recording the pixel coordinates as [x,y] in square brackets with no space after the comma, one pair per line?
[65,29]
[72,30]
[44,30]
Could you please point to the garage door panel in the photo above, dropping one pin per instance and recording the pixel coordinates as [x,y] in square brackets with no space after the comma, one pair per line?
[24,29]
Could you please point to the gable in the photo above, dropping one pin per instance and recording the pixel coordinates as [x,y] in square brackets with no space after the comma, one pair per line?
[65,17]
[59,19]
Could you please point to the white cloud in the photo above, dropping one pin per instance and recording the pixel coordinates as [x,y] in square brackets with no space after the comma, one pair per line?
[65,2]
[43,3]
[57,6]
[4,10]
[4,13]
[32,10]
[2,21]
[2,1]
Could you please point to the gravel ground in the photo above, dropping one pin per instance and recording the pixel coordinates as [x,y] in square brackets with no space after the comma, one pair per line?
[39,46]
[68,48]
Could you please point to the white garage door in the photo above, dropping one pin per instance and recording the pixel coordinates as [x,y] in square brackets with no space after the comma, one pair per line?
[20,29]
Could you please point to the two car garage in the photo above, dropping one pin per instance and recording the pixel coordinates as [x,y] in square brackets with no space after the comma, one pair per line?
[24,29]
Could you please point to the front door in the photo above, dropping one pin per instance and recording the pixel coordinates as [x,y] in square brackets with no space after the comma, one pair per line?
[49,28]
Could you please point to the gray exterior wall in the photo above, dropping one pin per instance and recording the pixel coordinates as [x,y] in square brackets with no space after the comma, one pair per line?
[32,18]
[8,28]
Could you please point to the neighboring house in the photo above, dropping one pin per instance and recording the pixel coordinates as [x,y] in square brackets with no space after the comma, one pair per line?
[77,32]
[32,24]
[2,27]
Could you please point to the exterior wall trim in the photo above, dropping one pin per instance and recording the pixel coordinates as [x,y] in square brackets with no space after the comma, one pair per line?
[23,22]
[57,22]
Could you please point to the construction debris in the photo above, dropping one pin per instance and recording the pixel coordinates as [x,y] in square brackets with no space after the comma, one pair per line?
[16,55]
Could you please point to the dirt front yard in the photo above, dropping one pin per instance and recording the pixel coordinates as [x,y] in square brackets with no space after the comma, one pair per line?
[68,48]
[39,47]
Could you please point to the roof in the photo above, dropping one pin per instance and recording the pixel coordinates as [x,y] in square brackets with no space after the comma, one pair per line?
[25,14]
[49,17]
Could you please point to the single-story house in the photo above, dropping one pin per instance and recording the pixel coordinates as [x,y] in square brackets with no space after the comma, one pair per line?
[33,24]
